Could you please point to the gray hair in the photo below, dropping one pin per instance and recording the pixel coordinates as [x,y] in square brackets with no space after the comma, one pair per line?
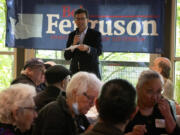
[81,82]
[17,95]
[148,75]
[165,69]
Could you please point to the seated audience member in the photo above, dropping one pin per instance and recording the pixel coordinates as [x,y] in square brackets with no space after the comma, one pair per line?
[17,109]
[154,114]
[32,74]
[162,65]
[61,117]
[47,65]
[177,109]
[57,78]
[115,105]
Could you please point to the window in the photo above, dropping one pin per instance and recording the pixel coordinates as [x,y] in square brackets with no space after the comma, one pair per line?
[177,54]
[112,65]
[6,54]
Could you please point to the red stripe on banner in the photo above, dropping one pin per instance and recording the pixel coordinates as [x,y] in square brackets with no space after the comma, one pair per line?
[126,16]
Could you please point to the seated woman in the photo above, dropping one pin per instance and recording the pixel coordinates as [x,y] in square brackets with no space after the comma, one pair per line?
[17,109]
[154,114]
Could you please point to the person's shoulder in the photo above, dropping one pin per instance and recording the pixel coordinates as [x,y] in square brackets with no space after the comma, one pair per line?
[72,32]
[90,132]
[40,96]
[23,79]
[50,109]
[93,30]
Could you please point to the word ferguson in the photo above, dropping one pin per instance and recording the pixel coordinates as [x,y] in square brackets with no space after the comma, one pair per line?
[106,27]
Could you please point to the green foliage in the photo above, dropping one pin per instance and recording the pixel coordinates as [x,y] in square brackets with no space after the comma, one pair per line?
[129,73]
[47,54]
[2,21]
[177,87]
[116,56]
[178,31]
[6,66]
[177,65]
[6,61]
[109,71]
[177,84]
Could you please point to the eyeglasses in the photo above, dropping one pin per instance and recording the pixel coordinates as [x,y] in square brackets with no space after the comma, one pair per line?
[39,69]
[34,108]
[68,78]
[90,98]
[80,19]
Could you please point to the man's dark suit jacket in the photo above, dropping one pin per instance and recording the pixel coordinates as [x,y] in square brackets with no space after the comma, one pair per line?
[87,61]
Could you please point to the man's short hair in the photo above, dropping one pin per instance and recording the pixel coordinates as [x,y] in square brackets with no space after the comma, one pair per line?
[34,62]
[56,74]
[165,69]
[81,10]
[117,101]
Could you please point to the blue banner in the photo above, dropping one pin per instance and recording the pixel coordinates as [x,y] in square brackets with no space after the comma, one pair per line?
[125,25]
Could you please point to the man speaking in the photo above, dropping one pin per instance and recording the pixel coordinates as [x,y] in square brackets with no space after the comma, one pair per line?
[83,46]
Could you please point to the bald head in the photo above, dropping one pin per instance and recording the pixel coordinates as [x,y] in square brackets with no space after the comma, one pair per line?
[162,65]
[52,63]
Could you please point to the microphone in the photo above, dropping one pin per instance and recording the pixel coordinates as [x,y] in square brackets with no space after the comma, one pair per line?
[77,34]
[77,31]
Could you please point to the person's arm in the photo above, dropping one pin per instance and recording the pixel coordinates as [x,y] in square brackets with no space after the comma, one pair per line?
[97,49]
[95,46]
[176,131]
[138,130]
[164,108]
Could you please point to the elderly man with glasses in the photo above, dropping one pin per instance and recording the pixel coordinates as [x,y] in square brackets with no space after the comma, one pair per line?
[116,103]
[61,116]
[32,74]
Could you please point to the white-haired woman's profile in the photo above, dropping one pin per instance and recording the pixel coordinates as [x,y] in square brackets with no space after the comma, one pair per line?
[17,109]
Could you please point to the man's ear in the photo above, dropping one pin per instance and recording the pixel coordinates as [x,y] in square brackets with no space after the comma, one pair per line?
[96,104]
[15,112]
[160,70]
[29,71]
[134,113]
[73,97]
[62,83]
[74,92]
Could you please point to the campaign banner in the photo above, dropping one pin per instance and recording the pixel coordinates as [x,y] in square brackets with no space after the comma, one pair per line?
[125,25]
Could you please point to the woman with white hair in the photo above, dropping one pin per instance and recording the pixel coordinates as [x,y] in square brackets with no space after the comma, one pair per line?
[17,109]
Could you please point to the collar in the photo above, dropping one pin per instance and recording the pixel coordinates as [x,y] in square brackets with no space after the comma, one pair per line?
[106,129]
[62,102]
[28,78]
[53,90]
[85,30]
